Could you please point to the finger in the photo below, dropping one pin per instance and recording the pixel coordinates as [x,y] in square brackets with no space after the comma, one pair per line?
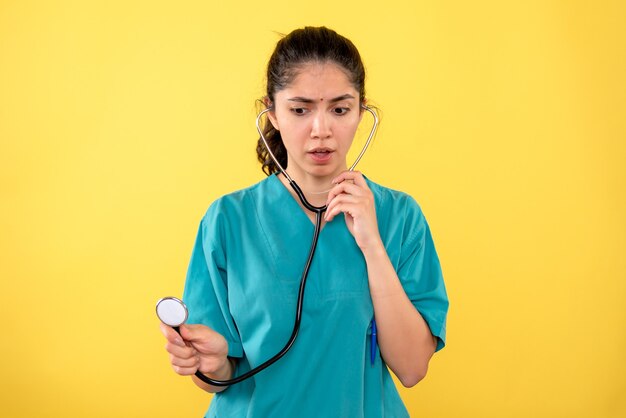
[338,200]
[204,339]
[346,198]
[185,371]
[331,215]
[197,332]
[181,352]
[344,188]
[341,200]
[193,361]
[212,364]
[171,335]
[347,208]
[355,176]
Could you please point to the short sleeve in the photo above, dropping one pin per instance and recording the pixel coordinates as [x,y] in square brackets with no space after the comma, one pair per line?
[420,273]
[206,292]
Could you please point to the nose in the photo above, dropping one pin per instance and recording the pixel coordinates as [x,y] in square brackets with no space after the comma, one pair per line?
[321,128]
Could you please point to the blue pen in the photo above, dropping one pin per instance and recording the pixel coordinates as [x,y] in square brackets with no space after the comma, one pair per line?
[373,342]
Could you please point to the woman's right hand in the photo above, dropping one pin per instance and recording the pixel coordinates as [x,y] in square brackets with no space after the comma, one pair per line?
[198,347]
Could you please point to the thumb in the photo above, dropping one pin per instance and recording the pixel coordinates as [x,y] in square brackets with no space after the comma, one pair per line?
[204,339]
[196,332]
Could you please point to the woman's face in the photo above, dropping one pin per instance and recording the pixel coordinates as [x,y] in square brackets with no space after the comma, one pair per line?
[317,116]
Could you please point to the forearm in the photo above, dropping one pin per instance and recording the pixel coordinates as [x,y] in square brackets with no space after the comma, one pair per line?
[225,373]
[404,338]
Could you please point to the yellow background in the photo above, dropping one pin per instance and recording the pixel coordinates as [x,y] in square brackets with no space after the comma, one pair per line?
[121,121]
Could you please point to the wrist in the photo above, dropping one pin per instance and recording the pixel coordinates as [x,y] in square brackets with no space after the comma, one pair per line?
[374,250]
[223,372]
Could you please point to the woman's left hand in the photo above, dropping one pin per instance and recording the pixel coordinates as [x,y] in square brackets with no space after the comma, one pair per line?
[352,197]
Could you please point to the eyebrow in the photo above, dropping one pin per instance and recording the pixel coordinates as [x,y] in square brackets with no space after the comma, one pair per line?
[307,100]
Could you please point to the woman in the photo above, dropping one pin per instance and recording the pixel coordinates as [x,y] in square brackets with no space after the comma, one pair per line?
[375,259]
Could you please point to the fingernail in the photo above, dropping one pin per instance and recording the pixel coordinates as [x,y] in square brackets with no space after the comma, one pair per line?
[179,342]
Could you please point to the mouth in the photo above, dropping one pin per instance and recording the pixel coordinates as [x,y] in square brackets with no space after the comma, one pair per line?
[320,154]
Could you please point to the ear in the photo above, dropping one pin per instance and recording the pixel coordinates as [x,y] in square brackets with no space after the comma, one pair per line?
[362,109]
[271,115]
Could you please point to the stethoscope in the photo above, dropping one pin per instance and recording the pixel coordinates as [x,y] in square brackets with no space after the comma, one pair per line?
[173,312]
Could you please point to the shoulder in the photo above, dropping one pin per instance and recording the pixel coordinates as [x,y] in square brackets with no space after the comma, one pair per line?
[223,215]
[235,202]
[393,201]
[399,215]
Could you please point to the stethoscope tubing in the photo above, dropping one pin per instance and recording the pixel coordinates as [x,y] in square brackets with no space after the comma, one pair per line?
[319,211]
[296,326]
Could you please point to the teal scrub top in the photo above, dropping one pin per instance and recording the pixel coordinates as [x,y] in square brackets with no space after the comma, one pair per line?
[243,280]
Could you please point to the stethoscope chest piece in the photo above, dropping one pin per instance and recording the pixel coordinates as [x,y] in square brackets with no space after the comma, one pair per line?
[171,311]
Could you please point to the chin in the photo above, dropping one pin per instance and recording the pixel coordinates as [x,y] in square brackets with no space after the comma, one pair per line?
[324,171]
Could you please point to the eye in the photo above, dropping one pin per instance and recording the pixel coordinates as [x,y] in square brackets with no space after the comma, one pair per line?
[340,111]
[299,110]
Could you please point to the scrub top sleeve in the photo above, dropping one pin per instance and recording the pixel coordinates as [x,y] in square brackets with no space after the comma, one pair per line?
[206,293]
[420,273]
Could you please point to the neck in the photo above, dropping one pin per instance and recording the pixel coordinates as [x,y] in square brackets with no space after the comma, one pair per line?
[315,188]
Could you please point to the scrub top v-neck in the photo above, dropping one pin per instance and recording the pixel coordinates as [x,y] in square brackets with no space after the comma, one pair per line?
[243,280]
